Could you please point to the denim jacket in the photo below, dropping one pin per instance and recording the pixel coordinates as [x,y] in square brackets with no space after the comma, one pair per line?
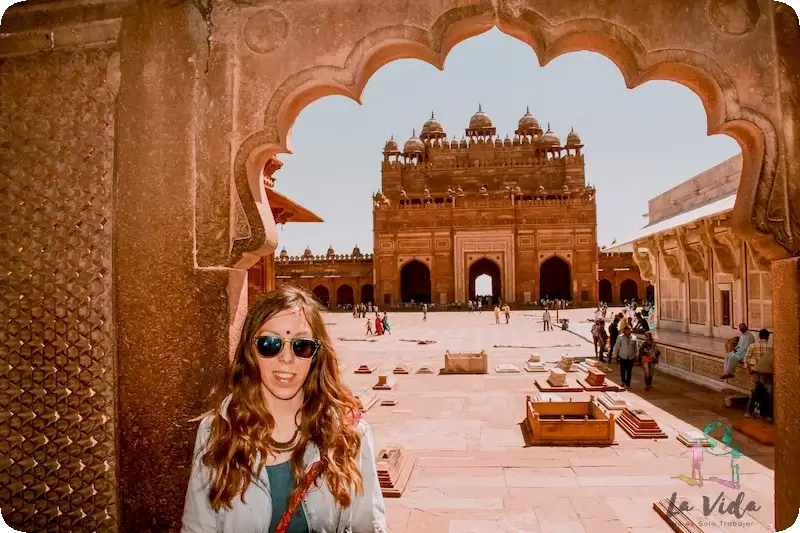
[366,514]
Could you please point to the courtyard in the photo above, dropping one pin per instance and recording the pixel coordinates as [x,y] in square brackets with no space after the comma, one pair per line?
[473,473]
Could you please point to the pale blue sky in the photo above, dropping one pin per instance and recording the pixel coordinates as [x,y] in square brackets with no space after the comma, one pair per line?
[639,143]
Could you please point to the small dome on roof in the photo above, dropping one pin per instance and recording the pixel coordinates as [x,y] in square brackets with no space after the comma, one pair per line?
[573,139]
[454,142]
[432,126]
[463,143]
[413,145]
[528,122]
[330,250]
[356,251]
[480,120]
[507,141]
[549,138]
[307,253]
[284,253]
[391,146]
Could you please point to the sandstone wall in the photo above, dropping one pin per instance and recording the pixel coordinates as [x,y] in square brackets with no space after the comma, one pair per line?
[57,432]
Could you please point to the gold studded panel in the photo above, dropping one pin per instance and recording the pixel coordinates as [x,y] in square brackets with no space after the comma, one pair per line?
[57,370]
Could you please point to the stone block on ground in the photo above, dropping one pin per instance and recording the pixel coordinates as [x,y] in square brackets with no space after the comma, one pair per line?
[385,383]
[506,369]
[639,425]
[612,400]
[760,431]
[395,465]
[365,369]
[535,367]
[557,377]
[465,363]
[595,377]
[567,424]
[692,438]
[366,399]
[388,402]
[535,358]
[425,369]
[401,369]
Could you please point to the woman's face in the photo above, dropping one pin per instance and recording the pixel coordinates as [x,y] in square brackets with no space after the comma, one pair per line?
[283,376]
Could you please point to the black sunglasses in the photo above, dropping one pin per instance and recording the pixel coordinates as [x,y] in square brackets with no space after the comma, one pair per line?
[270,346]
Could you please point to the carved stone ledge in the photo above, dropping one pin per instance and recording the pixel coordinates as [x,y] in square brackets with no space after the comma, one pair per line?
[643,261]
[726,255]
[695,258]
[672,262]
[93,34]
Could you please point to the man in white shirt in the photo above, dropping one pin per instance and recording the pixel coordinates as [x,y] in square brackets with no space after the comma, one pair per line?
[733,359]
[625,350]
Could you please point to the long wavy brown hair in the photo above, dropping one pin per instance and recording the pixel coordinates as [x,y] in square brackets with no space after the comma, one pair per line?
[237,451]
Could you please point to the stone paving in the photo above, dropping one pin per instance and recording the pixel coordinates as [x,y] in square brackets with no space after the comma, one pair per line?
[474,474]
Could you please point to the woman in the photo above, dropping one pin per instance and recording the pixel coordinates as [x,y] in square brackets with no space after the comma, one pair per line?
[386,327]
[649,354]
[600,337]
[285,416]
[378,324]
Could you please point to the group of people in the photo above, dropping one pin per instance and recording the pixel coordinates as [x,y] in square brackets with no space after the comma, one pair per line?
[475,305]
[382,326]
[757,358]
[361,310]
[505,309]
[623,346]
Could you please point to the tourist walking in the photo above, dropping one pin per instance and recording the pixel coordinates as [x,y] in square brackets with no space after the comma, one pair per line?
[613,333]
[496,314]
[386,328]
[507,312]
[378,324]
[369,327]
[469,306]
[546,320]
[759,361]
[625,351]
[257,433]
[649,354]
[733,359]
[424,312]
[600,337]
[480,306]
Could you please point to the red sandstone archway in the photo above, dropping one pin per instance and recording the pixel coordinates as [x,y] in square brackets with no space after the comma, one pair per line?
[344,295]
[629,290]
[555,280]
[754,132]
[606,293]
[367,294]
[322,294]
[415,282]
[490,268]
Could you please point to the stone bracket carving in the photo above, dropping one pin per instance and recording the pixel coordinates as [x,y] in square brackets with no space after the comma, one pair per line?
[643,261]
[724,252]
[672,262]
[695,259]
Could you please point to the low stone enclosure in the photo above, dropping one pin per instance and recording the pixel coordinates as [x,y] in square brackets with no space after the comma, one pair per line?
[567,423]
[465,363]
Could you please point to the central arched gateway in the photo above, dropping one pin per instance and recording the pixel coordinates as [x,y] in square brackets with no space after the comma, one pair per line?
[415,282]
[344,295]
[555,280]
[606,293]
[322,294]
[487,267]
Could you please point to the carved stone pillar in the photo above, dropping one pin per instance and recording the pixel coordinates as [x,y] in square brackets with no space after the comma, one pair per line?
[786,323]
[172,317]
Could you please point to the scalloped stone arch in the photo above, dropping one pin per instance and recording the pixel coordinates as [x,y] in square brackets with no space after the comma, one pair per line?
[754,132]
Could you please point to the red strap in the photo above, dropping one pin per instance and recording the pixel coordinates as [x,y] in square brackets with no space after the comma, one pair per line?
[311,476]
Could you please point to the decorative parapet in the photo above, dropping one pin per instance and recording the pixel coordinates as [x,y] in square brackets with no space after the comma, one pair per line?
[381,203]
[727,256]
[47,27]
[672,262]
[644,260]
[695,259]
[306,259]
[451,164]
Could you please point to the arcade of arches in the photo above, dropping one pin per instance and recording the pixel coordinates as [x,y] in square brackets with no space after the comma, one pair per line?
[177,208]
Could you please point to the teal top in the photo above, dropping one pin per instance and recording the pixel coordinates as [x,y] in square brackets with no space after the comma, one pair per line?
[281,483]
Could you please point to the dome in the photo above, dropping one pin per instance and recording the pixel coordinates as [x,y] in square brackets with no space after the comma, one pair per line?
[413,145]
[573,139]
[454,142]
[356,251]
[480,120]
[307,253]
[549,138]
[284,253]
[463,143]
[498,142]
[330,250]
[528,122]
[391,146]
[432,126]
[507,141]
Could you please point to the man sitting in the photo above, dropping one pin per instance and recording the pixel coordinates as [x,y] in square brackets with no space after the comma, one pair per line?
[759,362]
[733,359]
